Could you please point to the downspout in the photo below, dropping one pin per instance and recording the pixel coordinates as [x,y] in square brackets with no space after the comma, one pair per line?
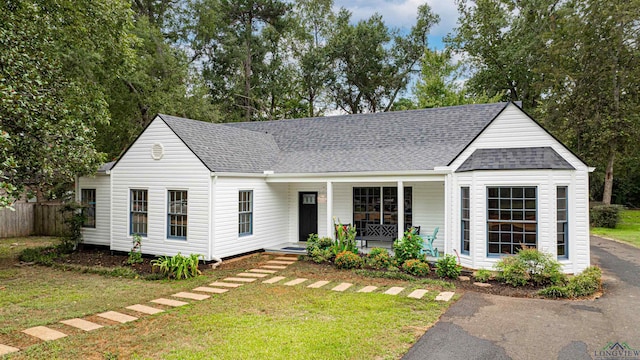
[212,223]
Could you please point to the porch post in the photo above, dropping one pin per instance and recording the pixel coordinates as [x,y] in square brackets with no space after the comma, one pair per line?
[330,232]
[400,209]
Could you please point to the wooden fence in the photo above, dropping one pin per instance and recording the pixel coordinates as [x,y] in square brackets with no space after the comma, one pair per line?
[32,219]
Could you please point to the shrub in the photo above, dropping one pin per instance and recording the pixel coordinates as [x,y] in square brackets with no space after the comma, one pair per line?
[512,271]
[482,275]
[409,247]
[583,284]
[43,255]
[345,239]
[605,215]
[448,267]
[178,266]
[555,292]
[378,258]
[530,266]
[135,255]
[314,242]
[416,267]
[321,255]
[348,260]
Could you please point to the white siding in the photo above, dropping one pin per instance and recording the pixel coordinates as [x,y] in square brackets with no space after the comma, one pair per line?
[428,209]
[179,169]
[546,182]
[100,234]
[270,215]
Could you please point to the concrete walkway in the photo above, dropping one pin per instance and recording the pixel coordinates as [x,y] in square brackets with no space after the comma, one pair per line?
[201,293]
[482,326]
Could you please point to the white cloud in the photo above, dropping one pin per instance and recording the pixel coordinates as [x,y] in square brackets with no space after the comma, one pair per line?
[402,14]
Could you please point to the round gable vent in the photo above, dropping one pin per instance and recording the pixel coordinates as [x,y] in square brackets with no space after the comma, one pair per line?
[157,151]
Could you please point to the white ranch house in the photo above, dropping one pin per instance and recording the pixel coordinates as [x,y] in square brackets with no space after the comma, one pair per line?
[489,176]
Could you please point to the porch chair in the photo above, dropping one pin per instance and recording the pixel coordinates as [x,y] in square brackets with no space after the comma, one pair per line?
[428,244]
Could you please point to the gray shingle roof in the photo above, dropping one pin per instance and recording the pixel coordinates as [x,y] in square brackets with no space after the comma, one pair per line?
[391,141]
[224,148]
[106,167]
[514,159]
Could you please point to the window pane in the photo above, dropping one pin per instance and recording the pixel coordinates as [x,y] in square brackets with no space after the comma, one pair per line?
[514,221]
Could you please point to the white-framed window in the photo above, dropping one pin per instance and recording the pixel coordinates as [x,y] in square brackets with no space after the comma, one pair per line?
[138,212]
[88,202]
[177,214]
[245,212]
[465,216]
[511,219]
[562,218]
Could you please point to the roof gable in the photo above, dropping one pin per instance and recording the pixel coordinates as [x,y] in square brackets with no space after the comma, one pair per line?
[515,159]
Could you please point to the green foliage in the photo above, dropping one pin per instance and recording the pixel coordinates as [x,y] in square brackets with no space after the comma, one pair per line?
[178,266]
[43,255]
[416,267]
[73,219]
[319,255]
[482,275]
[348,260]
[447,267]
[530,266]
[378,258]
[135,255]
[606,216]
[314,242]
[345,239]
[409,247]
[627,230]
[581,285]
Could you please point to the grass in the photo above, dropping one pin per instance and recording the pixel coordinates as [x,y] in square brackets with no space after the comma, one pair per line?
[253,321]
[628,229]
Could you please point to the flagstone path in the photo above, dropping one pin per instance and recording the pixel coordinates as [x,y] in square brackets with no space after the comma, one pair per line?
[270,268]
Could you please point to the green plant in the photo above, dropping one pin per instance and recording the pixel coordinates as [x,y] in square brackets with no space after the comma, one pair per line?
[345,239]
[409,247]
[43,255]
[135,255]
[606,216]
[178,266]
[74,219]
[321,255]
[416,267]
[530,266]
[512,271]
[348,260]
[583,284]
[555,292]
[378,258]
[447,267]
[482,275]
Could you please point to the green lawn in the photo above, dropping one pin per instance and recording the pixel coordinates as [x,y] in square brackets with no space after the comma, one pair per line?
[254,321]
[628,229]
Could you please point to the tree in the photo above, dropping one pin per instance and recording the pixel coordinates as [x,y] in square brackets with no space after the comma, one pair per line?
[373,63]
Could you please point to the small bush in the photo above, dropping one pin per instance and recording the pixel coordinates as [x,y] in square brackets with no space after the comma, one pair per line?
[530,266]
[447,267]
[178,266]
[605,216]
[348,260]
[583,284]
[378,258]
[409,247]
[555,292]
[43,255]
[416,267]
[135,255]
[321,255]
[512,271]
[482,275]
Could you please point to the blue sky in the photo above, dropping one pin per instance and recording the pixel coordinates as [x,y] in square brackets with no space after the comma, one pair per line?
[402,14]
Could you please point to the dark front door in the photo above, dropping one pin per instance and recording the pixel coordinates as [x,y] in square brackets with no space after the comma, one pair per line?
[307,214]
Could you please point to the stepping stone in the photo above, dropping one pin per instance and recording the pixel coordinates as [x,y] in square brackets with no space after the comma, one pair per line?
[444,296]
[117,317]
[224,284]
[394,290]
[279,262]
[44,333]
[81,324]
[6,349]
[318,284]
[342,287]
[144,309]
[367,289]
[256,275]
[286,258]
[275,267]
[192,296]
[169,302]
[238,279]
[417,294]
[263,271]
[464,278]
[482,284]
[273,280]
[211,290]
[295,282]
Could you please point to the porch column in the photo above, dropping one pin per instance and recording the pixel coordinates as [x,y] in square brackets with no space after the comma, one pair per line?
[330,232]
[400,210]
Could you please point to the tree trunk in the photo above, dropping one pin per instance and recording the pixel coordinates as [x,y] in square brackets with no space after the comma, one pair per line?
[608,179]
[247,70]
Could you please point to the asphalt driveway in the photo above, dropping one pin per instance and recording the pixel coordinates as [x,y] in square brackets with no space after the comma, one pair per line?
[481,326]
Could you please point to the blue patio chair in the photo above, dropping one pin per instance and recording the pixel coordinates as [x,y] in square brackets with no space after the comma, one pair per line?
[428,244]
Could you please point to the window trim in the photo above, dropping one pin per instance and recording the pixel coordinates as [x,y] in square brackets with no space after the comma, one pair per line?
[242,212]
[86,205]
[510,221]
[145,212]
[169,214]
[565,222]
[380,205]
[464,220]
